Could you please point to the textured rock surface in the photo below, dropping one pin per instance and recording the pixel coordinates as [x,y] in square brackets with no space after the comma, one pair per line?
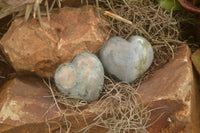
[127,60]
[82,79]
[23,102]
[27,107]
[171,88]
[29,48]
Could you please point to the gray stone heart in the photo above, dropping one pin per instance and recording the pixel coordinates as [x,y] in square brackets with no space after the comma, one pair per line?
[82,79]
[127,60]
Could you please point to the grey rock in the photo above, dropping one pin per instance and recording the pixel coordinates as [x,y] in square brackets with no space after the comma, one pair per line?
[82,79]
[127,60]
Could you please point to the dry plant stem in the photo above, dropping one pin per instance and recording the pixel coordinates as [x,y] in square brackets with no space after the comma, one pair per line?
[2,77]
[52,93]
[98,12]
[49,127]
[67,123]
[29,8]
[12,9]
[160,27]
[53,3]
[39,18]
[36,7]
[110,6]
[120,109]
[70,104]
[170,48]
[130,33]
[59,3]
[47,9]
[112,15]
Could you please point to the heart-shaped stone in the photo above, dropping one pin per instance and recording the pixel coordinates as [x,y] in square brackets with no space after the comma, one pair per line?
[82,79]
[127,60]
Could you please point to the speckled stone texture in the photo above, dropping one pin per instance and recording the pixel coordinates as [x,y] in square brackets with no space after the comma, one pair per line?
[82,79]
[127,60]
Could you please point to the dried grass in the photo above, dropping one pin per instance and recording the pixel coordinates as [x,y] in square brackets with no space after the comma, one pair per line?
[28,7]
[160,27]
[120,108]
[123,109]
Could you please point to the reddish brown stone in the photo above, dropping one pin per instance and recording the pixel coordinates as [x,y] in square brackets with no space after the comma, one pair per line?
[29,48]
[24,101]
[171,89]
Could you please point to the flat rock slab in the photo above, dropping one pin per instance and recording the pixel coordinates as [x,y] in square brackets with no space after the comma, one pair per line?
[23,101]
[31,49]
[169,91]
[26,105]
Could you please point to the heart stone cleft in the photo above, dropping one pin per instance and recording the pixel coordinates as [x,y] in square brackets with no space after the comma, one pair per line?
[82,79]
[127,60]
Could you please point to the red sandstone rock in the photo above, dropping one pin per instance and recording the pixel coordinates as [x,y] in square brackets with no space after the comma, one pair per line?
[29,48]
[23,101]
[25,106]
[171,87]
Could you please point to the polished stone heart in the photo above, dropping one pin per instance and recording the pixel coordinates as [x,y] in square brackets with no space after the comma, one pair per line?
[82,79]
[127,60]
